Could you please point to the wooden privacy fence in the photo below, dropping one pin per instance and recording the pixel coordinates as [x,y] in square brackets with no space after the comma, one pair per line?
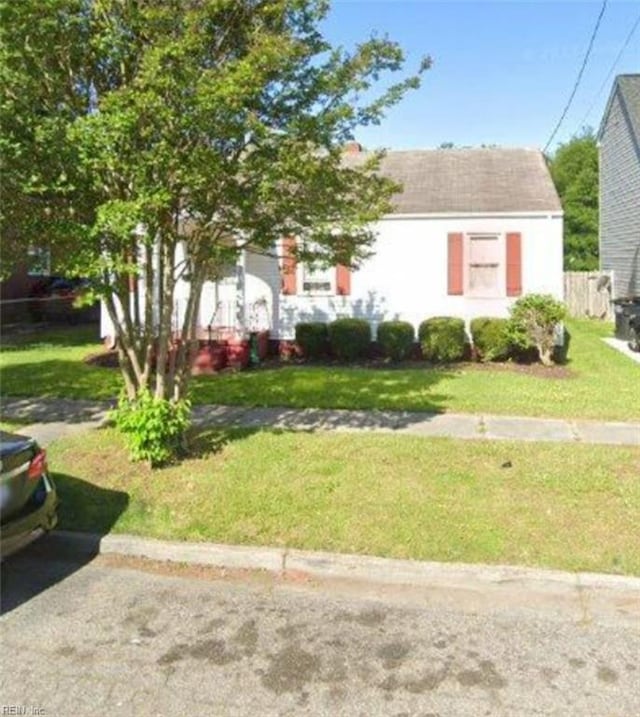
[587,294]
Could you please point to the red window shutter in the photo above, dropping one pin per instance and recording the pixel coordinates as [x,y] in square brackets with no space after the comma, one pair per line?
[289,265]
[455,273]
[343,280]
[514,264]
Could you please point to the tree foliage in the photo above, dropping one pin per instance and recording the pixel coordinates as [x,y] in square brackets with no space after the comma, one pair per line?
[152,141]
[574,169]
[44,47]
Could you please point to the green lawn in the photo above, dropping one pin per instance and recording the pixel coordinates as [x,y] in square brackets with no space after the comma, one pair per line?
[51,363]
[11,426]
[600,385]
[574,507]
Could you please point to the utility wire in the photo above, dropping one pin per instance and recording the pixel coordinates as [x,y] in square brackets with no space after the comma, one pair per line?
[578,78]
[613,67]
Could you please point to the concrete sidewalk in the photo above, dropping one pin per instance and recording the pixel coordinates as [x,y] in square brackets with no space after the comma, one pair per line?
[50,418]
[623,348]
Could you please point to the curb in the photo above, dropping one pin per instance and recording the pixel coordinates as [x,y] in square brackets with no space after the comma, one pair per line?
[324,565]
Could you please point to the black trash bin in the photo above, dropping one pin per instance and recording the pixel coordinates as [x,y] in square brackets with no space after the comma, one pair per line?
[625,310]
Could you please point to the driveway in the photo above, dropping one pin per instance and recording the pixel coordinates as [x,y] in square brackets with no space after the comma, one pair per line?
[119,636]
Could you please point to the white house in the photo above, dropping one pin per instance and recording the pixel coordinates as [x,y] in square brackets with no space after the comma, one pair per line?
[471,231]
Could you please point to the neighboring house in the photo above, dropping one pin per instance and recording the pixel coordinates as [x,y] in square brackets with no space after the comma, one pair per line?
[472,230]
[16,290]
[31,294]
[619,141]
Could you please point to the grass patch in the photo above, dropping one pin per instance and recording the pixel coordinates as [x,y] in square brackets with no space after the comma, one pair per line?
[51,363]
[574,507]
[600,387]
[12,426]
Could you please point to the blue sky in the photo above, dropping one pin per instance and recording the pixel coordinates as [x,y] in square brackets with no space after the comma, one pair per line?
[502,71]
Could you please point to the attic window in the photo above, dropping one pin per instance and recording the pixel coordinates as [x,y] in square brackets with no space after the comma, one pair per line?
[483,266]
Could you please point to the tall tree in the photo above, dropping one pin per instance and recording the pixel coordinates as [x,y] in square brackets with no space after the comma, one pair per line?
[44,86]
[574,168]
[158,138]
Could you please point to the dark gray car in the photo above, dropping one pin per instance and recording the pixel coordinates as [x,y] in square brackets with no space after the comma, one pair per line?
[28,498]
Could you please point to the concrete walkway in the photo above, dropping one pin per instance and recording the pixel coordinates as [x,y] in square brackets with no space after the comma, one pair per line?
[623,348]
[50,418]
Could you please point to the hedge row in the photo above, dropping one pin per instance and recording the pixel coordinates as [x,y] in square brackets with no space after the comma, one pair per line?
[443,339]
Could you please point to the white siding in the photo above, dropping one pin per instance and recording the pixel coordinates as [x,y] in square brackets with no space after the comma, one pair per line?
[407,276]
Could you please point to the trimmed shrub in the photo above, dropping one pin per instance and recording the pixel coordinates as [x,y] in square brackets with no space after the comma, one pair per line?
[533,323]
[396,339]
[313,338]
[154,427]
[442,339]
[490,338]
[349,338]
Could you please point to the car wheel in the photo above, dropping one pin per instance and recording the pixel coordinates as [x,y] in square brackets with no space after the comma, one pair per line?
[634,339]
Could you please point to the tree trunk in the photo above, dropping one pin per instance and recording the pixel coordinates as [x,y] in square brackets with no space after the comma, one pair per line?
[140,340]
[546,355]
[188,340]
[165,339]
[127,369]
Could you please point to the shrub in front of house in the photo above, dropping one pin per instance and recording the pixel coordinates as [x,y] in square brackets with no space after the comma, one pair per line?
[396,338]
[349,339]
[442,339]
[490,338]
[533,323]
[313,339]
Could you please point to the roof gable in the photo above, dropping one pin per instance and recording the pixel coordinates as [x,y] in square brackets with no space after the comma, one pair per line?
[627,88]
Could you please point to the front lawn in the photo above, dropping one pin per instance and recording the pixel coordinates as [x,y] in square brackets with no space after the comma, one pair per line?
[600,382]
[574,507]
[52,363]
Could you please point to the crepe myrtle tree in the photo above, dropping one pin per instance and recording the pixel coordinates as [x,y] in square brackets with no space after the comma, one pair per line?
[192,129]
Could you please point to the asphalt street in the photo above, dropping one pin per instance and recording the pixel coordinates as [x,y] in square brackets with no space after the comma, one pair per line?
[116,636]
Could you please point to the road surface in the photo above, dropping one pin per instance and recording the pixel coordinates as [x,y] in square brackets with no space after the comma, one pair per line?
[114,636]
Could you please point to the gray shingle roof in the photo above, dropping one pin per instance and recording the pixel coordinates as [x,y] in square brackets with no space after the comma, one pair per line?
[470,180]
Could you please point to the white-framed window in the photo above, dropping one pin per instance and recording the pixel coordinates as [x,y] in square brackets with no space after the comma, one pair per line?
[484,266]
[318,280]
[38,261]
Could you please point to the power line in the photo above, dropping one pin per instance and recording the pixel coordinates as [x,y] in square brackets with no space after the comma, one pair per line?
[579,77]
[613,67]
